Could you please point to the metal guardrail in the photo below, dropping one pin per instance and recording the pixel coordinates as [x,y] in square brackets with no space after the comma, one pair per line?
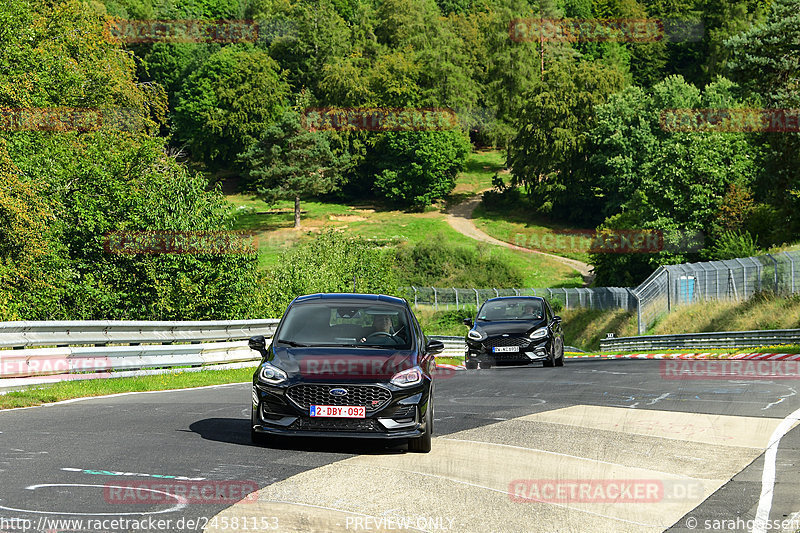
[700,341]
[122,345]
[72,332]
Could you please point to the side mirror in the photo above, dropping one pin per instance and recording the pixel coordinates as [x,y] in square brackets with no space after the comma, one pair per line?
[257,343]
[557,318]
[468,322]
[434,346]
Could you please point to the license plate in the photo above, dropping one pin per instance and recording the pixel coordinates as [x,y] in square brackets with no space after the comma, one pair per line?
[505,349]
[339,411]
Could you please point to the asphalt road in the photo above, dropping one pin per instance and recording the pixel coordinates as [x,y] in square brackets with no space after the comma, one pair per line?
[504,438]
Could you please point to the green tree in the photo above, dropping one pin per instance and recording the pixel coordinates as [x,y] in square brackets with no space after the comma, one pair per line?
[413,168]
[548,155]
[765,59]
[670,181]
[228,101]
[289,162]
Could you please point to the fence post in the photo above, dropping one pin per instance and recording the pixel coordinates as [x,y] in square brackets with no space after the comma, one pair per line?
[669,293]
[791,261]
[456,291]
[435,299]
[497,294]
[744,280]
[477,303]
[638,312]
[415,296]
[775,261]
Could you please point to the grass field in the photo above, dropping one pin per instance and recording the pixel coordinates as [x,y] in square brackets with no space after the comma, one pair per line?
[66,390]
[273,225]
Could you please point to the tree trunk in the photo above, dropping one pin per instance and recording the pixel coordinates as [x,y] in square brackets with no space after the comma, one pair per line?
[296,211]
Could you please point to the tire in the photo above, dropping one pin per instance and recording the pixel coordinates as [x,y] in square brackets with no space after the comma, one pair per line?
[485,365]
[423,444]
[560,360]
[470,365]
[548,363]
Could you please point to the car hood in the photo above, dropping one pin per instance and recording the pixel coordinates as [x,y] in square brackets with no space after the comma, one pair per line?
[340,364]
[511,327]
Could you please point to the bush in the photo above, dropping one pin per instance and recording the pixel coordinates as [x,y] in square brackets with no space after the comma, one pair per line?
[414,168]
[332,262]
[732,244]
[437,262]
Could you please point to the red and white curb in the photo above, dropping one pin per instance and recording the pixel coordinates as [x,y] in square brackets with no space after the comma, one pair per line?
[688,355]
[696,355]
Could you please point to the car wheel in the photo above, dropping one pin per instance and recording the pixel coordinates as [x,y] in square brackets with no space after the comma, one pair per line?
[560,359]
[470,365]
[485,365]
[423,444]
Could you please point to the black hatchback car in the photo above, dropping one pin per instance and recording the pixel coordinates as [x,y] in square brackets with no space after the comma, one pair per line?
[346,365]
[514,330]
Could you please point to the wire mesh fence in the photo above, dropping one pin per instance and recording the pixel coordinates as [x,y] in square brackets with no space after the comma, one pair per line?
[668,287]
[457,298]
[734,279]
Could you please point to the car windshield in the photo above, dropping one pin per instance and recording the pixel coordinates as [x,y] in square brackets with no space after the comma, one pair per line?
[345,324]
[517,309]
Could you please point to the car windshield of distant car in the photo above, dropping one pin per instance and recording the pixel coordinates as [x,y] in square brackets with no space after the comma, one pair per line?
[345,324]
[511,310]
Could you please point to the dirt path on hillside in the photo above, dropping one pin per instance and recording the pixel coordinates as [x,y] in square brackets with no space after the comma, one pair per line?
[460,219]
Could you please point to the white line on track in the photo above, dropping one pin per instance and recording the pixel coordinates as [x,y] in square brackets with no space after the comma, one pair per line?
[768,476]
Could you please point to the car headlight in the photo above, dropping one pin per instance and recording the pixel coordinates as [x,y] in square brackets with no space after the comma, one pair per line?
[271,374]
[407,378]
[476,335]
[540,333]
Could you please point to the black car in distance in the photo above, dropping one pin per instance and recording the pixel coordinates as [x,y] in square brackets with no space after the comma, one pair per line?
[514,330]
[346,365]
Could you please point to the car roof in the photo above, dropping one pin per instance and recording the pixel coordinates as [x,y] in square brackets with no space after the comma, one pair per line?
[500,298]
[350,296]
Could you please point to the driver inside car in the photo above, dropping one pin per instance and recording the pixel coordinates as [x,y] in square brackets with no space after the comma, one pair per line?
[381,324]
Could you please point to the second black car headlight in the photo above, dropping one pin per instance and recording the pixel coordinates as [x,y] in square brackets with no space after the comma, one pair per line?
[476,335]
[271,375]
[538,334]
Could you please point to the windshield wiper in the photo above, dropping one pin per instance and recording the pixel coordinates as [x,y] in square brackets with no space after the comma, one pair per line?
[294,344]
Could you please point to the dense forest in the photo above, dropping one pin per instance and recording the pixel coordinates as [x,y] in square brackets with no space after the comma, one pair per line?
[580,122]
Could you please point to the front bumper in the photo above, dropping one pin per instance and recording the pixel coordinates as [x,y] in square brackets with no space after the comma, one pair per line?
[533,351]
[402,417]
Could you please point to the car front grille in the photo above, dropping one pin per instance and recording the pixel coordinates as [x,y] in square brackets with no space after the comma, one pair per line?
[496,342]
[335,424]
[371,397]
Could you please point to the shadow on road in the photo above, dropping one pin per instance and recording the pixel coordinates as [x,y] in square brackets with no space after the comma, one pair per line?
[237,431]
